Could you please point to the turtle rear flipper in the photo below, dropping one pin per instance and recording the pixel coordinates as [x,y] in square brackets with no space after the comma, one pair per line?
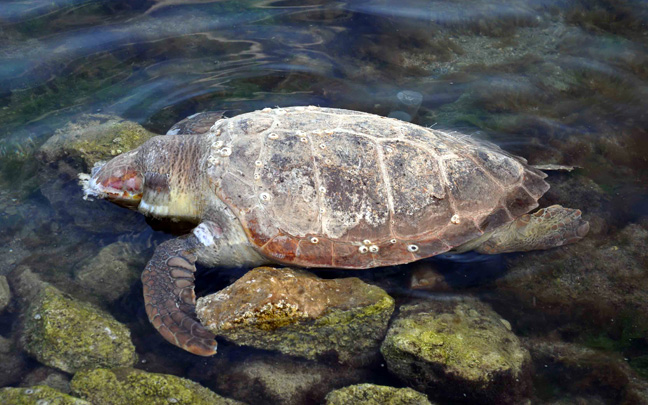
[546,228]
[169,296]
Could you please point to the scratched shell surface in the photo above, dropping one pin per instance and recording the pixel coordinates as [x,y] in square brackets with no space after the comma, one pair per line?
[325,187]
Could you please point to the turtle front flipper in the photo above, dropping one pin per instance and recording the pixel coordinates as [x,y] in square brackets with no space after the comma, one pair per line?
[169,296]
[546,228]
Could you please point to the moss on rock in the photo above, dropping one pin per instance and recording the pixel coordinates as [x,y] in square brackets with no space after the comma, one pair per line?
[371,394]
[93,138]
[136,387]
[70,335]
[458,350]
[299,314]
[37,395]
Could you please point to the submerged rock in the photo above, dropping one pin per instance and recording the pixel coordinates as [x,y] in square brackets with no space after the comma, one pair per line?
[112,272]
[93,138]
[459,350]
[38,395]
[281,380]
[5,293]
[585,284]
[574,369]
[70,335]
[47,376]
[299,314]
[136,387]
[371,394]
[12,363]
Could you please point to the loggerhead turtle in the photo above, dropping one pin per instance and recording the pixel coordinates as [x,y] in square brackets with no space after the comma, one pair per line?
[321,187]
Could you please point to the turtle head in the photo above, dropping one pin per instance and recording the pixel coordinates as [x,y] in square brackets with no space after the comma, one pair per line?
[161,178]
[119,181]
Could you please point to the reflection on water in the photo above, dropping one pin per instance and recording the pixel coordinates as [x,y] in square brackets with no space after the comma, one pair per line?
[553,81]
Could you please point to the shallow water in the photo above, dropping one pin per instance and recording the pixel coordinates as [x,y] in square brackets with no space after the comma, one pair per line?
[553,81]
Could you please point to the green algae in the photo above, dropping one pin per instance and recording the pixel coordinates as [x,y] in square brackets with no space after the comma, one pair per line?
[70,335]
[37,395]
[136,387]
[371,394]
[462,344]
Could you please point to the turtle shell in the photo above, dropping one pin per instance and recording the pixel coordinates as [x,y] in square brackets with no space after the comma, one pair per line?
[324,187]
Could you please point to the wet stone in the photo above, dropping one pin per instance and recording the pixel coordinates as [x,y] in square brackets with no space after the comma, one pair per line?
[426,277]
[12,363]
[113,271]
[569,369]
[371,394]
[286,381]
[5,293]
[588,283]
[37,395]
[47,376]
[71,335]
[458,350]
[92,138]
[136,387]
[299,314]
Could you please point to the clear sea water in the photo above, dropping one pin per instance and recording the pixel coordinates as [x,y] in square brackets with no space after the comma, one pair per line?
[554,81]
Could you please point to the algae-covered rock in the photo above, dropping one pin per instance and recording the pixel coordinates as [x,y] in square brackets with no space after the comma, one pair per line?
[112,272]
[93,138]
[299,314]
[371,394]
[458,349]
[70,335]
[38,395]
[136,387]
[283,380]
[5,293]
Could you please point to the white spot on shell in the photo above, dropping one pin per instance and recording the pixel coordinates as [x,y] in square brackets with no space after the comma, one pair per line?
[273,135]
[322,210]
[393,241]
[314,240]
[374,248]
[312,107]
[266,110]
[363,249]
[264,197]
[279,111]
[217,144]
[322,146]
[366,242]
[322,189]
[455,219]
[389,149]
[257,176]
[303,139]
[225,152]
[412,248]
[258,163]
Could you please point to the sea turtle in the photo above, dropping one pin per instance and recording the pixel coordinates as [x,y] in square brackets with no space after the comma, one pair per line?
[321,187]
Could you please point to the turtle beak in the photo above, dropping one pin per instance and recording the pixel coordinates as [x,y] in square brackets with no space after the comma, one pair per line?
[119,181]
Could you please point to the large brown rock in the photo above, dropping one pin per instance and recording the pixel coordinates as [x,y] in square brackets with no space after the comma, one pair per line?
[299,314]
